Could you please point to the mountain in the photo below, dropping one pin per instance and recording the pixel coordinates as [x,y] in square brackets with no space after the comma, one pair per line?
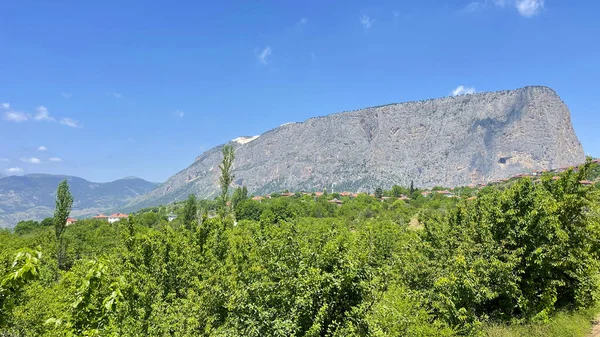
[32,196]
[448,141]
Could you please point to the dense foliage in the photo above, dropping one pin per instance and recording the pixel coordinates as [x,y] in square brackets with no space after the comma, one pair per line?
[302,265]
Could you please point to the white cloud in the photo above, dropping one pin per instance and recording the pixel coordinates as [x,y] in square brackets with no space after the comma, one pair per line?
[42,148]
[302,22]
[55,160]
[117,95]
[15,116]
[313,56]
[66,94]
[14,170]
[179,113]
[264,55]
[529,8]
[32,160]
[4,160]
[473,7]
[366,21]
[5,105]
[43,114]
[462,90]
[70,122]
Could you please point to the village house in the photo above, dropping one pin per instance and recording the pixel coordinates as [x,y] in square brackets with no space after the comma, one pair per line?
[71,221]
[116,217]
[335,201]
[100,216]
[171,216]
[257,198]
[586,182]
[446,193]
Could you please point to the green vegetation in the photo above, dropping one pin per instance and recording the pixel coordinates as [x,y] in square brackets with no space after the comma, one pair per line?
[520,259]
[572,324]
[64,202]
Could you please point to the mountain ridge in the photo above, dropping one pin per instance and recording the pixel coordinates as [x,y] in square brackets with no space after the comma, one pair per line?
[449,141]
[31,196]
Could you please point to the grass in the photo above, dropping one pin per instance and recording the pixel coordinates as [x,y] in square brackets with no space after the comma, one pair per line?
[564,324]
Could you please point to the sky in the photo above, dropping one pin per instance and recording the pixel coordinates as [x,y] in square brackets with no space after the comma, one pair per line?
[108,89]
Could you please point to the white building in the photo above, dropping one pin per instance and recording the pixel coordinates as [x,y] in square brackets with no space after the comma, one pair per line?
[116,217]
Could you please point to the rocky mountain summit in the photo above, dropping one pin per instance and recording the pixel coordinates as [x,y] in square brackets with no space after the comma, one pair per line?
[448,141]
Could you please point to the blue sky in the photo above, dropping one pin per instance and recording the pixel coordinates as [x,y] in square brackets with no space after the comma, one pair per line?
[137,88]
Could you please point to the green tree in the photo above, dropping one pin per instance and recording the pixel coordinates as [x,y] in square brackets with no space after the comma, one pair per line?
[189,211]
[24,269]
[396,191]
[378,193]
[412,187]
[64,202]
[226,178]
[240,194]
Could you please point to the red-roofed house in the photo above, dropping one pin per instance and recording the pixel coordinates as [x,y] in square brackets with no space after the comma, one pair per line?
[446,193]
[100,216]
[346,194]
[116,217]
[257,198]
[71,221]
[597,161]
[586,182]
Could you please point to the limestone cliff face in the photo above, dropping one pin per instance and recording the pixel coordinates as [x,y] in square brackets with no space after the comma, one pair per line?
[449,141]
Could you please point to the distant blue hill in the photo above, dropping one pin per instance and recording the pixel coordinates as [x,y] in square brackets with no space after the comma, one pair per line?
[32,196]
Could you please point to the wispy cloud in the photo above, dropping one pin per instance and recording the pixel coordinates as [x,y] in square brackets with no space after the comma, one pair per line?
[117,95]
[32,160]
[70,122]
[462,90]
[15,116]
[66,94]
[42,148]
[366,21]
[526,8]
[529,8]
[302,22]
[43,114]
[14,170]
[5,105]
[55,160]
[179,113]
[473,7]
[313,56]
[4,160]
[264,55]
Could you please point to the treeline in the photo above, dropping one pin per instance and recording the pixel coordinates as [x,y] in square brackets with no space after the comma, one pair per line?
[304,266]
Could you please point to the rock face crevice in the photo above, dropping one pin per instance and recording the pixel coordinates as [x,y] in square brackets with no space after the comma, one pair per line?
[449,141]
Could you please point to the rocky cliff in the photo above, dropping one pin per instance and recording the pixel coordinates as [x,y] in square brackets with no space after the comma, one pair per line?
[448,141]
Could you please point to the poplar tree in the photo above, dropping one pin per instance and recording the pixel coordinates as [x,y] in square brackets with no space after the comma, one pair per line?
[64,202]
